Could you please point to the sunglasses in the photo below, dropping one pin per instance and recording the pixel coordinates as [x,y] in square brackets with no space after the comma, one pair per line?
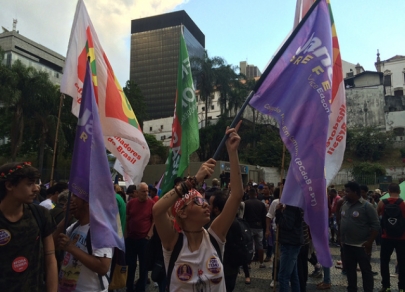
[198,201]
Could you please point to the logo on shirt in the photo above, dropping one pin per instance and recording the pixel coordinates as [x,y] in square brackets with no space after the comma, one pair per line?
[216,280]
[5,237]
[213,265]
[355,214]
[184,273]
[20,264]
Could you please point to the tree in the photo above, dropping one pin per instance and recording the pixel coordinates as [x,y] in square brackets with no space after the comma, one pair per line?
[205,69]
[156,147]
[225,80]
[137,101]
[368,143]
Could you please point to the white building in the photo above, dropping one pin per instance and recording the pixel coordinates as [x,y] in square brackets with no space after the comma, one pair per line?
[394,85]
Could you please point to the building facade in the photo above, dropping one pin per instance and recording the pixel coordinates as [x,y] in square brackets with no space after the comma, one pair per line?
[155,45]
[250,71]
[31,54]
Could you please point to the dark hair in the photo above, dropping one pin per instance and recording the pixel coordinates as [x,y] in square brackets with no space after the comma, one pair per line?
[154,190]
[131,189]
[177,180]
[219,201]
[276,193]
[355,187]
[58,187]
[19,171]
[122,195]
[364,188]
[252,192]
[394,188]
[333,191]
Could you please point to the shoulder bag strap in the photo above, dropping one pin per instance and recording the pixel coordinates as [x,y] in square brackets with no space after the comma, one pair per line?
[216,246]
[90,252]
[173,259]
[38,218]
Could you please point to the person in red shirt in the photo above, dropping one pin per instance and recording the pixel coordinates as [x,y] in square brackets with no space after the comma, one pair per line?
[153,194]
[389,243]
[333,199]
[139,230]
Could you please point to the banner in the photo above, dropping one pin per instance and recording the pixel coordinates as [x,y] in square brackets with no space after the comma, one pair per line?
[296,89]
[90,177]
[122,134]
[185,136]
[336,143]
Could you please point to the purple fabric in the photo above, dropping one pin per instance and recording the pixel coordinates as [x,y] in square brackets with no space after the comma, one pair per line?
[296,94]
[90,177]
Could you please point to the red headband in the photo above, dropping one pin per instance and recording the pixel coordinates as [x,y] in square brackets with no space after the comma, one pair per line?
[180,203]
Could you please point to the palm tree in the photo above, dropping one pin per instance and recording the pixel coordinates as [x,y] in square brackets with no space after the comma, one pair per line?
[205,69]
[226,78]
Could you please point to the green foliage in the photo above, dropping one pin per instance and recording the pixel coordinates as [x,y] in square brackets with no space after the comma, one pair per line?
[137,101]
[367,168]
[402,153]
[29,115]
[369,143]
[156,147]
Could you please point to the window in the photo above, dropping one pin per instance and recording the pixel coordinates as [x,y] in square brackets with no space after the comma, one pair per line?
[150,129]
[161,127]
[212,107]
[203,108]
[387,79]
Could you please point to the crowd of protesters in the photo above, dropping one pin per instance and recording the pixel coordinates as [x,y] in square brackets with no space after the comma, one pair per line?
[193,231]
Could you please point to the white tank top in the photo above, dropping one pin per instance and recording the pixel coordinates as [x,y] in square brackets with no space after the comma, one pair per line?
[199,271]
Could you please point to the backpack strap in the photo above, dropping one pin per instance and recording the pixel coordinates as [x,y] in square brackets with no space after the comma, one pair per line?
[216,246]
[398,201]
[173,259]
[35,212]
[385,201]
[90,252]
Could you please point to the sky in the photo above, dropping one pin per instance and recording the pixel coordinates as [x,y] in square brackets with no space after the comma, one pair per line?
[234,30]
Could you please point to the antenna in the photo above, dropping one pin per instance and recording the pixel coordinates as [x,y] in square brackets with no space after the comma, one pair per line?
[15,24]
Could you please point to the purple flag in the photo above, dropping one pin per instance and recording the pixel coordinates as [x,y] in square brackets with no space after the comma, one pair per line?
[297,93]
[90,177]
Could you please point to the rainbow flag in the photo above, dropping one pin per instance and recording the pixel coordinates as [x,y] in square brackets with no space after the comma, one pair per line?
[122,134]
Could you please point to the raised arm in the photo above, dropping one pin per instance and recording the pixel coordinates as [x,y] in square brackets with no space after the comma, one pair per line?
[164,225]
[223,222]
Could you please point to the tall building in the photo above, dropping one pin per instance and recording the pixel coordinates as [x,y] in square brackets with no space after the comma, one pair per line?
[155,46]
[250,71]
[31,54]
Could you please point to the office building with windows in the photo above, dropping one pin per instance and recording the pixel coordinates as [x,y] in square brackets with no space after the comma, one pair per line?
[155,46]
[17,47]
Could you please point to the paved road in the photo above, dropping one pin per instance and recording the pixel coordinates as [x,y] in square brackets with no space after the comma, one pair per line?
[260,278]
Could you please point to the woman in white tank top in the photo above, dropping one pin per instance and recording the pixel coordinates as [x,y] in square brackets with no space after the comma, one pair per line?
[198,266]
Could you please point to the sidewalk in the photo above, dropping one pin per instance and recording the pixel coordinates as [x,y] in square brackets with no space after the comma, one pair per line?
[261,278]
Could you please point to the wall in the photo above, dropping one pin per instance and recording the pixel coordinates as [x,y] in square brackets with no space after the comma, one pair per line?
[397,68]
[365,107]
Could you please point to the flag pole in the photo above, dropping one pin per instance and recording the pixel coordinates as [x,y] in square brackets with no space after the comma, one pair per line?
[233,124]
[264,75]
[276,254]
[62,96]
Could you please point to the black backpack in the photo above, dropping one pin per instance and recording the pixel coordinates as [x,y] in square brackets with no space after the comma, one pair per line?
[393,222]
[240,247]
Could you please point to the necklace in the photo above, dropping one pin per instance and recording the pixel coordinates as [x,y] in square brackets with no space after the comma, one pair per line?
[198,231]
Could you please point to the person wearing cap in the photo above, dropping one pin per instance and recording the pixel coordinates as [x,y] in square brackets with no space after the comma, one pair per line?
[198,257]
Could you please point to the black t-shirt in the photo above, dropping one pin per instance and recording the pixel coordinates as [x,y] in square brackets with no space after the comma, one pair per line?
[255,213]
[21,251]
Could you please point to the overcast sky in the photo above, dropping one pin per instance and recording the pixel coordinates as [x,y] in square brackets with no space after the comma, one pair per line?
[235,30]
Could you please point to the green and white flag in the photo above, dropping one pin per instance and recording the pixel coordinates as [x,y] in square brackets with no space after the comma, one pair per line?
[185,137]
